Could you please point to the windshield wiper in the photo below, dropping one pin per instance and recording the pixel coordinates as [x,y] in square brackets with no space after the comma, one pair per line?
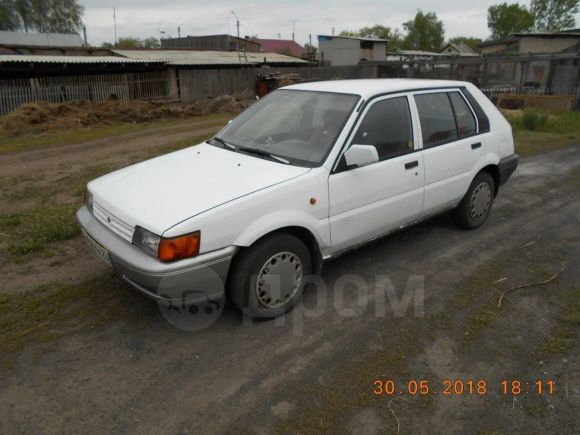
[263,153]
[224,143]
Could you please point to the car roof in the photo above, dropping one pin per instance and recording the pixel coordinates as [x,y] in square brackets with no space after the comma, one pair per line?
[369,87]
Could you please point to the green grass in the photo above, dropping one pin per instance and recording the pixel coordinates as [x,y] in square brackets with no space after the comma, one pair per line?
[50,311]
[33,230]
[563,335]
[534,410]
[560,130]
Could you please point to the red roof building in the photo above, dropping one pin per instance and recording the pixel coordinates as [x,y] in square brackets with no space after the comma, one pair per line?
[281,46]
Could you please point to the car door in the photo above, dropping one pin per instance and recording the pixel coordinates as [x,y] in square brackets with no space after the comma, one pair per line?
[368,201]
[450,147]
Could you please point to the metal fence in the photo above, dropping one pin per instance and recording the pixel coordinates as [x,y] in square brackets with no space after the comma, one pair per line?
[95,87]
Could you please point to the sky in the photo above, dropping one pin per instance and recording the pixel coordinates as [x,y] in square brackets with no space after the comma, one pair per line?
[274,19]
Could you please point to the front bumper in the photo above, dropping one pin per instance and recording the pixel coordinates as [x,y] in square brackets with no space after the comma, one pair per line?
[186,282]
[507,166]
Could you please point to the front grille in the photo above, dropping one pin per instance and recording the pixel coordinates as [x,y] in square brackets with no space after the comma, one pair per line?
[116,225]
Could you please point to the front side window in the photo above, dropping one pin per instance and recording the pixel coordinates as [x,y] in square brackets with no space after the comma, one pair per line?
[437,119]
[387,126]
[300,126]
[465,121]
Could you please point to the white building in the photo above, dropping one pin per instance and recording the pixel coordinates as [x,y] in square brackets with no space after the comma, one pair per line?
[347,50]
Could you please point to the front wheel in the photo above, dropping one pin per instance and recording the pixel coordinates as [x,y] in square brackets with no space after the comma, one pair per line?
[268,277]
[475,206]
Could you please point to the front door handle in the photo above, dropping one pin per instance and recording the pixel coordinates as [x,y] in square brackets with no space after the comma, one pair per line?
[476,145]
[412,164]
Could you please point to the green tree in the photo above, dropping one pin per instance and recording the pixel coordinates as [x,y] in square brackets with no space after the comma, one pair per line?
[58,16]
[8,17]
[554,15]
[424,32]
[471,42]
[505,19]
[310,48]
[130,42]
[151,42]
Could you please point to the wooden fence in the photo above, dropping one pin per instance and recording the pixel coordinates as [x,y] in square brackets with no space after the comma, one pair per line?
[198,84]
[95,87]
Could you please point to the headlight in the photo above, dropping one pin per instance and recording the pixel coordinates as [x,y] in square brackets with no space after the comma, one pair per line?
[88,200]
[146,240]
[167,249]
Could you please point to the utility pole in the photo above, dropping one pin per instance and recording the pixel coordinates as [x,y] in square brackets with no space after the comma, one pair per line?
[85,35]
[115,24]
[293,28]
[238,27]
[178,31]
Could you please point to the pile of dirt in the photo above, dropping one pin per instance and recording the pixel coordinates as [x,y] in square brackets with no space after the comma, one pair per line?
[41,117]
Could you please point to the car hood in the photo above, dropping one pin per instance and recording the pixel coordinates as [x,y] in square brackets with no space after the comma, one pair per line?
[159,193]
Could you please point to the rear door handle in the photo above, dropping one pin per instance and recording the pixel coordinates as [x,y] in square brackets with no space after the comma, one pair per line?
[475,145]
[412,164]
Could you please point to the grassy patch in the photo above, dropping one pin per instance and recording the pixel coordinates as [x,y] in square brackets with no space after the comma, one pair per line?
[534,410]
[349,384]
[563,335]
[34,229]
[557,132]
[51,311]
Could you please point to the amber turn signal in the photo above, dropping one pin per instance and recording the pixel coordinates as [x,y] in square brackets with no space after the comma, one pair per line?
[177,248]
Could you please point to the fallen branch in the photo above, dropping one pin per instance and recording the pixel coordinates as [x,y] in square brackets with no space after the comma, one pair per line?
[394,415]
[532,284]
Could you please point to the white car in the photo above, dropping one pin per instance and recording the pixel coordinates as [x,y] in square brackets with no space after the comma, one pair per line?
[305,173]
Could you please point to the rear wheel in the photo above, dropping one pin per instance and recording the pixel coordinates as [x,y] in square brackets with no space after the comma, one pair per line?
[475,206]
[267,279]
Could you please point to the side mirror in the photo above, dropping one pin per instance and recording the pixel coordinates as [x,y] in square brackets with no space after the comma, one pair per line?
[361,155]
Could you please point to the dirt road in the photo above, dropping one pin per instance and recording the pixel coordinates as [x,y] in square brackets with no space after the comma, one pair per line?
[314,371]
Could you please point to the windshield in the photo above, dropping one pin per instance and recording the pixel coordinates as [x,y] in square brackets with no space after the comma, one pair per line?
[300,126]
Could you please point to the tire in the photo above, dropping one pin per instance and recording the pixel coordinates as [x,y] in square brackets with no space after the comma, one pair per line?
[253,287]
[475,207]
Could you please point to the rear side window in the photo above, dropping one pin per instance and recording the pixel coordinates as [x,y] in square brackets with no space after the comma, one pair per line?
[466,125]
[482,118]
[437,119]
[387,126]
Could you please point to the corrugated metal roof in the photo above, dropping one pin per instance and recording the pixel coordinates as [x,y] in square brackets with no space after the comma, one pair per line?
[32,58]
[195,57]
[40,39]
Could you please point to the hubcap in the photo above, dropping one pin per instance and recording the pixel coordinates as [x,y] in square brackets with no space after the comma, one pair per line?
[480,201]
[279,279]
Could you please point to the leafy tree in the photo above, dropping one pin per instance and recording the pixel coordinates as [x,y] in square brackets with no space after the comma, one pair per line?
[471,42]
[130,42]
[58,16]
[150,43]
[8,17]
[349,33]
[310,48]
[554,15]
[424,32]
[505,19]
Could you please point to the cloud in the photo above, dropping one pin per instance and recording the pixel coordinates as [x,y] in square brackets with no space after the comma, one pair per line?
[267,19]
